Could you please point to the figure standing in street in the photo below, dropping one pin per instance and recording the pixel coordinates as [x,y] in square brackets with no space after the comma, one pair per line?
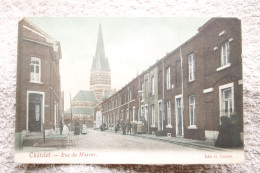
[84,128]
[123,127]
[77,128]
[129,127]
[61,126]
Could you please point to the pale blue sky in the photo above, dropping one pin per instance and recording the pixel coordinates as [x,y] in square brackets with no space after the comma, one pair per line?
[131,44]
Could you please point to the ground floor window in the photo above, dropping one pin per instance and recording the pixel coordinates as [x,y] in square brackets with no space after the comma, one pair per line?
[192,110]
[168,106]
[226,94]
[153,115]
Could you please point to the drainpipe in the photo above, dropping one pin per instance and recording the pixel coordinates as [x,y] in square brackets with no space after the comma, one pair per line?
[182,103]
[163,96]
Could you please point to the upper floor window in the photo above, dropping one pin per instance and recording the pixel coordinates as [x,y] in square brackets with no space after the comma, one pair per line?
[225,53]
[130,95]
[142,91]
[168,78]
[35,69]
[191,67]
[152,83]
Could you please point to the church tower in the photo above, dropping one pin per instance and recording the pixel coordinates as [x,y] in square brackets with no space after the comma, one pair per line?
[100,79]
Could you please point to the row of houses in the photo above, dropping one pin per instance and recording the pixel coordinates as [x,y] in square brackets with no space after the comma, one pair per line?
[185,93]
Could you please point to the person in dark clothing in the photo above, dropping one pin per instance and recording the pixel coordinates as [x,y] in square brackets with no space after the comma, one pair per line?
[61,126]
[77,128]
[224,139]
[129,127]
[123,127]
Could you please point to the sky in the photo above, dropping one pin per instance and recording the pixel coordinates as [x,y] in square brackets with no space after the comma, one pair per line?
[131,45]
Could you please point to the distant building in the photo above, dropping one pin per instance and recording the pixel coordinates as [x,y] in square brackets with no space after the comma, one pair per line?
[100,88]
[185,93]
[100,79]
[82,108]
[38,95]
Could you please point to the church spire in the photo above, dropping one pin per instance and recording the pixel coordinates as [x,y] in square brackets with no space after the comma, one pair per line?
[100,62]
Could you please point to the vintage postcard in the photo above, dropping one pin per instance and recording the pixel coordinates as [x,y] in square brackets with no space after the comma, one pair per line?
[129,91]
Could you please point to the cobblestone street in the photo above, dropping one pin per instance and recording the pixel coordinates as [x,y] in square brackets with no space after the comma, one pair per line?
[96,139]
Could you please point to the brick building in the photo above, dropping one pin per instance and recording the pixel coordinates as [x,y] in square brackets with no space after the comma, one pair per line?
[38,96]
[185,93]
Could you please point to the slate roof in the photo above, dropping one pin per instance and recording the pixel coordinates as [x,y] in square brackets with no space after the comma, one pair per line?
[100,62]
[85,95]
[79,110]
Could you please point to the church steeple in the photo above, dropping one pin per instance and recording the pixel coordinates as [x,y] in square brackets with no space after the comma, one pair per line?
[100,62]
[100,78]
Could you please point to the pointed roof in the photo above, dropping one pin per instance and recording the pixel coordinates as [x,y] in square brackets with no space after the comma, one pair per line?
[100,62]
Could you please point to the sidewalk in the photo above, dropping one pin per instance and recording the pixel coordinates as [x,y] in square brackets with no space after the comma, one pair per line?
[198,144]
[51,141]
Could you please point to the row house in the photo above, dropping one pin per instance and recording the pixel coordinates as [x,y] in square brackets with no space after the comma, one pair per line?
[185,93]
[39,102]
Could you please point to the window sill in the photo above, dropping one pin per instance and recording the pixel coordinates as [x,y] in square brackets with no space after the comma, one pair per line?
[36,82]
[191,80]
[192,127]
[169,126]
[223,67]
[153,126]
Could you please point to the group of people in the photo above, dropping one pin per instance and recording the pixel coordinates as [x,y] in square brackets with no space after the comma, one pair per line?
[127,128]
[77,128]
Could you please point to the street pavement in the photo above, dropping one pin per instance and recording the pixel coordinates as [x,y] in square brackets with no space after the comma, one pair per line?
[96,139]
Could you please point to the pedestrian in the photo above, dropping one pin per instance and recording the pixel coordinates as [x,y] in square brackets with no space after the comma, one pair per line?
[77,129]
[224,139]
[116,128]
[123,127]
[129,127]
[61,126]
[84,128]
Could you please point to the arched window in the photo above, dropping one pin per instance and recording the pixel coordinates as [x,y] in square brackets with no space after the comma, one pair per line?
[35,67]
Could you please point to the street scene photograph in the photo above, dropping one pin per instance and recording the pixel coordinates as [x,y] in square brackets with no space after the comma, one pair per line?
[128,90]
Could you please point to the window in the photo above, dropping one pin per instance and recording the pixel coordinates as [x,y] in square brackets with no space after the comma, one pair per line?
[35,69]
[168,78]
[130,95]
[153,116]
[191,67]
[146,88]
[226,100]
[142,92]
[122,118]
[146,112]
[192,110]
[127,114]
[168,105]
[133,113]
[225,53]
[152,83]
[142,110]
[37,112]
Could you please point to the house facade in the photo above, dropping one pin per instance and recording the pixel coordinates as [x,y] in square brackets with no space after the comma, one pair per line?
[38,95]
[185,93]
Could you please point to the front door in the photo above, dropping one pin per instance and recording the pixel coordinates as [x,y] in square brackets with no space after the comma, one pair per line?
[179,118]
[35,112]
